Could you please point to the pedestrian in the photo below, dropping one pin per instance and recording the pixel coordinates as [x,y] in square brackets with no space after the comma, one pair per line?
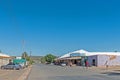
[86,64]
[83,64]
[106,63]
[70,64]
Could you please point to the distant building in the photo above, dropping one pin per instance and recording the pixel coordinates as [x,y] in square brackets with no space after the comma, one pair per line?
[18,57]
[93,58]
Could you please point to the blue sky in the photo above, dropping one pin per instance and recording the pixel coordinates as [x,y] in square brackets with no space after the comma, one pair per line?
[59,26]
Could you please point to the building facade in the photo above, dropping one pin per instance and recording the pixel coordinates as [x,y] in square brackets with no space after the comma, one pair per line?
[93,58]
[4,59]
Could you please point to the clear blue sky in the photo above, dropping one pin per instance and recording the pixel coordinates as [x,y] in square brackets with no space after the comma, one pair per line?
[59,26]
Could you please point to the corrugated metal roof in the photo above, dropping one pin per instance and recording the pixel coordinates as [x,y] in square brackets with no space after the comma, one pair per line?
[4,55]
[89,53]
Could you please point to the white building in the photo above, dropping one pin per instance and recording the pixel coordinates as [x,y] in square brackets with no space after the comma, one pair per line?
[94,58]
[4,59]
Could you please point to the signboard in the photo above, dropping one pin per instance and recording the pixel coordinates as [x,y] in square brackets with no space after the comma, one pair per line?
[77,54]
[112,57]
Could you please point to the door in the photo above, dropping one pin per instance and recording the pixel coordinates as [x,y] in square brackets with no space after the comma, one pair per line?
[93,62]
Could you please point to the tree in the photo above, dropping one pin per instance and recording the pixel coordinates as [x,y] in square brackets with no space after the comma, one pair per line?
[43,60]
[24,55]
[49,58]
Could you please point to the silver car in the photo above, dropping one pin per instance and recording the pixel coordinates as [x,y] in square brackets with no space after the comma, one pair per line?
[11,66]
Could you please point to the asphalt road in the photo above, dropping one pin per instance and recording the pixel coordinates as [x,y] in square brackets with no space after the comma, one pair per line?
[52,72]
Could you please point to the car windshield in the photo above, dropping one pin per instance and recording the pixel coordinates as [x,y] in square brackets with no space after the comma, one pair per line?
[11,64]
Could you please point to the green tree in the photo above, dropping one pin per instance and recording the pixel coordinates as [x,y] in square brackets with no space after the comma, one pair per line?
[24,55]
[49,58]
[43,60]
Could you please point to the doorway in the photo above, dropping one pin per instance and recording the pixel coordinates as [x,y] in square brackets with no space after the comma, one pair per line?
[93,62]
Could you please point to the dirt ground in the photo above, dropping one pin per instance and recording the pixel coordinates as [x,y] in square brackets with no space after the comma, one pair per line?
[11,74]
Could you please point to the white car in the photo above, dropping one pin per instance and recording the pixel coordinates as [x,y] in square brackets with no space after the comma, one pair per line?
[63,64]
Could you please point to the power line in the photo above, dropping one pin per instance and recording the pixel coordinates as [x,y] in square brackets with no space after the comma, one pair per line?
[15,23]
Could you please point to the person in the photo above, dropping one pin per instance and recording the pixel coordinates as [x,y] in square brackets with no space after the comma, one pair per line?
[70,64]
[106,63]
[10,62]
[83,64]
[86,64]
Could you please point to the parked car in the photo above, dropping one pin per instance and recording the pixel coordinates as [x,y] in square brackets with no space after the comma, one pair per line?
[63,64]
[22,65]
[11,66]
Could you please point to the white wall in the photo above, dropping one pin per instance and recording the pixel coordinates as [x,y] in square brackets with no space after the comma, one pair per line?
[4,61]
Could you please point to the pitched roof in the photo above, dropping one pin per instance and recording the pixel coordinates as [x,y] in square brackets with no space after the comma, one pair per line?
[86,53]
[4,55]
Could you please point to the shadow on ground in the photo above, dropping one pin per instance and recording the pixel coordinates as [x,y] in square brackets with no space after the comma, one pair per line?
[112,73]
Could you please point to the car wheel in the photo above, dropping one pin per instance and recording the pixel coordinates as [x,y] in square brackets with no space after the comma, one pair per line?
[2,68]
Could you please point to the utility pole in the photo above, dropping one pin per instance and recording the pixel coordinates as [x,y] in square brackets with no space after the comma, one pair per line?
[30,54]
[23,45]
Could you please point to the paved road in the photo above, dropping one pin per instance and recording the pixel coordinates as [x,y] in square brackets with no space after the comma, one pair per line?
[51,72]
